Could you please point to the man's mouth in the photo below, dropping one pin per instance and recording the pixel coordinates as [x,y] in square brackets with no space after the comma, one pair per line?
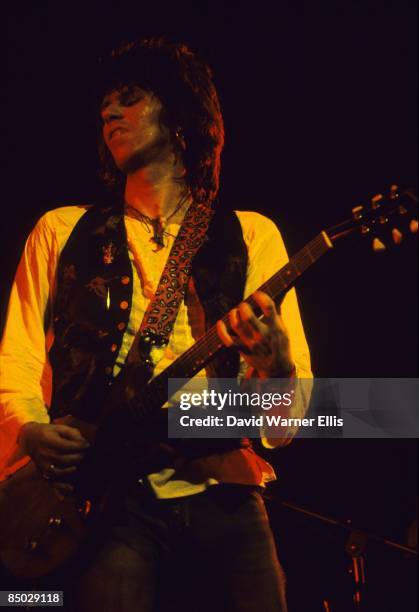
[117,131]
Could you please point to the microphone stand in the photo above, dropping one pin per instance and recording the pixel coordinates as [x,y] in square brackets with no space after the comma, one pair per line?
[355,547]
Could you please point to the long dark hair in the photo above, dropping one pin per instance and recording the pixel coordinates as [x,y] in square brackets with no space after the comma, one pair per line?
[191,109]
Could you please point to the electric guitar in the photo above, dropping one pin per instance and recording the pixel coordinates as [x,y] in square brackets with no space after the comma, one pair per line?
[39,532]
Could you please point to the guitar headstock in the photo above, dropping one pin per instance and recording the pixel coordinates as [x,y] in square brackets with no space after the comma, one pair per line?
[385,220]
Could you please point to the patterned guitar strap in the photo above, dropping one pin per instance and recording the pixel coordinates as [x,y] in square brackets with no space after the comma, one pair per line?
[161,313]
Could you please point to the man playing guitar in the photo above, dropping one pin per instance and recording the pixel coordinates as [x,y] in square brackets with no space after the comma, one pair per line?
[84,285]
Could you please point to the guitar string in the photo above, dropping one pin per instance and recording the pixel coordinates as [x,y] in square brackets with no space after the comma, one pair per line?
[158,386]
[304,256]
[270,286]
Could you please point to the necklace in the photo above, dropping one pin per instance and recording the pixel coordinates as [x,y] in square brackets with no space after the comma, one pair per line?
[155,224]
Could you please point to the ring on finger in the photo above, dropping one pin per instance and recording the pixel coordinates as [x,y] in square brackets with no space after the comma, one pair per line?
[49,472]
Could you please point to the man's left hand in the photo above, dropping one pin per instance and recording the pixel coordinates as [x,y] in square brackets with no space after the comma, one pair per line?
[264,345]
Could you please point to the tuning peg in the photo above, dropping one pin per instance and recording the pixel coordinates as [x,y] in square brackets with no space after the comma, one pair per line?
[397,235]
[394,192]
[377,245]
[413,226]
[375,201]
[357,212]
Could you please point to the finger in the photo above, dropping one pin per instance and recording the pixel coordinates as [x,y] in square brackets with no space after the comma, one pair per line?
[60,460]
[272,313]
[242,332]
[223,334]
[70,433]
[60,472]
[233,319]
[62,488]
[56,474]
[249,324]
[63,461]
[235,323]
[227,339]
[59,495]
[57,443]
[267,306]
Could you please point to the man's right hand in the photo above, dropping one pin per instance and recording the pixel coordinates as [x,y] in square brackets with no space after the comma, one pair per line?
[55,449]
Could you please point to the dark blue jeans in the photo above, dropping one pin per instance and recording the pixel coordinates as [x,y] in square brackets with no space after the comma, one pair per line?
[211,551]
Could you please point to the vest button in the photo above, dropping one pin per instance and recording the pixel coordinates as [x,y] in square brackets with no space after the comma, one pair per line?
[125,280]
[121,326]
[123,305]
[114,347]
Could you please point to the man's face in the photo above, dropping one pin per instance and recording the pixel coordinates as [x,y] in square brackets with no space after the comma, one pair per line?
[132,130]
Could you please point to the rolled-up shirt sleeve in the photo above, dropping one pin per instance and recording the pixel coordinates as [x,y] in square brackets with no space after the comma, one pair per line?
[267,255]
[25,373]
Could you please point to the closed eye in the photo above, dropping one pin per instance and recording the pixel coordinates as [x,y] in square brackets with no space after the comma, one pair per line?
[131,95]
[124,96]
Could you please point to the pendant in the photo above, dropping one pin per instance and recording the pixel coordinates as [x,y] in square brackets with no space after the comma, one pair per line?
[158,240]
[158,235]
[109,253]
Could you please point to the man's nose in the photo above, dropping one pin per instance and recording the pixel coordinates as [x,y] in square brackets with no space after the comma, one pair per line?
[112,112]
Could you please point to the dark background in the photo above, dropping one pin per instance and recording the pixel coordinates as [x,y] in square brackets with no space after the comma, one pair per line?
[319,101]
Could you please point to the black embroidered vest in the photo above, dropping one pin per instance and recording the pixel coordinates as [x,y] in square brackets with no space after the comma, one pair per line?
[94,295]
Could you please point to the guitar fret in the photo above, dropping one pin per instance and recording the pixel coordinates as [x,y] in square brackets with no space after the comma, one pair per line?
[201,353]
[310,254]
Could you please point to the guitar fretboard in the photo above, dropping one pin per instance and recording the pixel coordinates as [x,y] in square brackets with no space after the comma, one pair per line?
[207,347]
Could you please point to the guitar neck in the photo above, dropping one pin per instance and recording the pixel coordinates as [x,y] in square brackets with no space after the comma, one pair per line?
[207,347]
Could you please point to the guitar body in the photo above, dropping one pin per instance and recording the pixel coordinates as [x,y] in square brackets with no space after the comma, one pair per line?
[39,532]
